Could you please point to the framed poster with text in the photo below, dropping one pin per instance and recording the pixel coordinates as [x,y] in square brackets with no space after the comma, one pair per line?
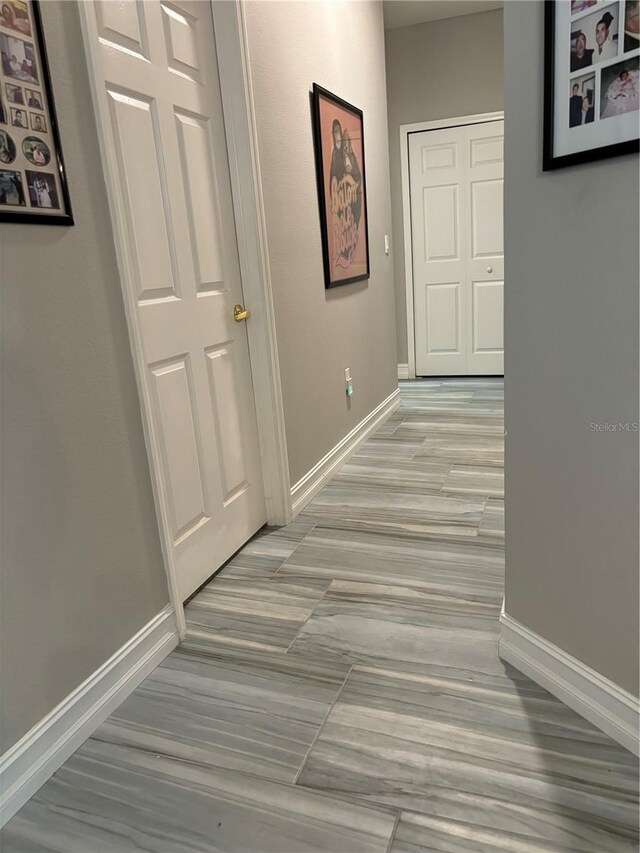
[33,186]
[342,193]
[591,86]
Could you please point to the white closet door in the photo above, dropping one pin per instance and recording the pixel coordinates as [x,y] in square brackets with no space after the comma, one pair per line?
[439,251]
[159,80]
[457,225]
[485,259]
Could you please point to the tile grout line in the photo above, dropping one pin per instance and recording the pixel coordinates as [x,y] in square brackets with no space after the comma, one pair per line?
[315,606]
[299,545]
[320,727]
[392,837]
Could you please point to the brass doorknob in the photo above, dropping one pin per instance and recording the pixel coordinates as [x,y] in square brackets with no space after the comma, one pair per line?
[240,313]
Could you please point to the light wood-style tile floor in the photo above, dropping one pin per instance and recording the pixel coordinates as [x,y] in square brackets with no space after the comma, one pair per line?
[340,689]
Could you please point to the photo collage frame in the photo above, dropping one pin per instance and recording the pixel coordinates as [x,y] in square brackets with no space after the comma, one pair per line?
[33,186]
[592,90]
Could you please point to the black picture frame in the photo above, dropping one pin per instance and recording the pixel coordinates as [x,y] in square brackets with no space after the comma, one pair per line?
[318,94]
[64,215]
[551,162]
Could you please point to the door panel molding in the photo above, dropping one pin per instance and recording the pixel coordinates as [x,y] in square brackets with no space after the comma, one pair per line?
[405,131]
[240,133]
[487,297]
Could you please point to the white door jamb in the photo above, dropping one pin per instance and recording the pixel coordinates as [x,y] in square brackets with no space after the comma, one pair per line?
[246,186]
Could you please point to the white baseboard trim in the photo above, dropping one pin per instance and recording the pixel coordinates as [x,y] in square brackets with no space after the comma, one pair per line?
[36,756]
[309,486]
[594,697]
[403,371]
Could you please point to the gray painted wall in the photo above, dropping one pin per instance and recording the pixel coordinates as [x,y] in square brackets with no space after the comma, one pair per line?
[571,324]
[437,70]
[82,569]
[341,47]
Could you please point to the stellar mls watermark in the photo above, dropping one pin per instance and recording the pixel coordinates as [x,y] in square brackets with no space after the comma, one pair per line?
[613,426]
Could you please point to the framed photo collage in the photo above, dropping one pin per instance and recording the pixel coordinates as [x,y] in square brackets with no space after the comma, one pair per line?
[592,56]
[33,186]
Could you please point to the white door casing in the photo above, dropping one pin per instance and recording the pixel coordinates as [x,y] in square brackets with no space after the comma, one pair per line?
[456,210]
[156,87]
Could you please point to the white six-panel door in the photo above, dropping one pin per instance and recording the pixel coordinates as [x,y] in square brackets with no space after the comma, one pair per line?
[159,86]
[456,192]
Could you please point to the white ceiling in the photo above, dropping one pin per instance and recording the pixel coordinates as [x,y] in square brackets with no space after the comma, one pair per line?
[404,13]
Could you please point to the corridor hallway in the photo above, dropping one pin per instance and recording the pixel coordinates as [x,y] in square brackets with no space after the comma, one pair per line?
[340,690]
